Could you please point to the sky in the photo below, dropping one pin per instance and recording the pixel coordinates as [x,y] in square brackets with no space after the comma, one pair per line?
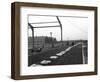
[73,28]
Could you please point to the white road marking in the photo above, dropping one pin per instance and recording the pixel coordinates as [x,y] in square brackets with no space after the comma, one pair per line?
[53,57]
[69,48]
[45,62]
[61,53]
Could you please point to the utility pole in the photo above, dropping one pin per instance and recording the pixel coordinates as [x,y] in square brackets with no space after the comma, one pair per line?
[51,39]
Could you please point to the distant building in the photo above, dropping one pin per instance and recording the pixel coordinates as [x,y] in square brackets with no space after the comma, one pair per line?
[40,41]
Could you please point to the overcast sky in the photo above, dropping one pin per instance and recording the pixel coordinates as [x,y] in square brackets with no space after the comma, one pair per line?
[73,28]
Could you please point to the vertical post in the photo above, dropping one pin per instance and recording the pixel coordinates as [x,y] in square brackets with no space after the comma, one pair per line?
[32,28]
[33,37]
[61,33]
[60,28]
[51,39]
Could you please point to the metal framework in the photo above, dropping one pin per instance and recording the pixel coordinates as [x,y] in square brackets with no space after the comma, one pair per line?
[31,25]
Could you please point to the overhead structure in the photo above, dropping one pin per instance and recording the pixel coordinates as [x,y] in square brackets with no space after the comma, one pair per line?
[32,26]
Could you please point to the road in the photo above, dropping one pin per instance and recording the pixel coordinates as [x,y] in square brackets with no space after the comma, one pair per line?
[60,56]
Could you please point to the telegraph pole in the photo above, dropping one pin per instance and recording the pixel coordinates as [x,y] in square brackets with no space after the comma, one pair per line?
[51,39]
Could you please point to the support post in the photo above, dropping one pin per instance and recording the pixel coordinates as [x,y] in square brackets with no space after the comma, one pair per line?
[60,28]
[32,28]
